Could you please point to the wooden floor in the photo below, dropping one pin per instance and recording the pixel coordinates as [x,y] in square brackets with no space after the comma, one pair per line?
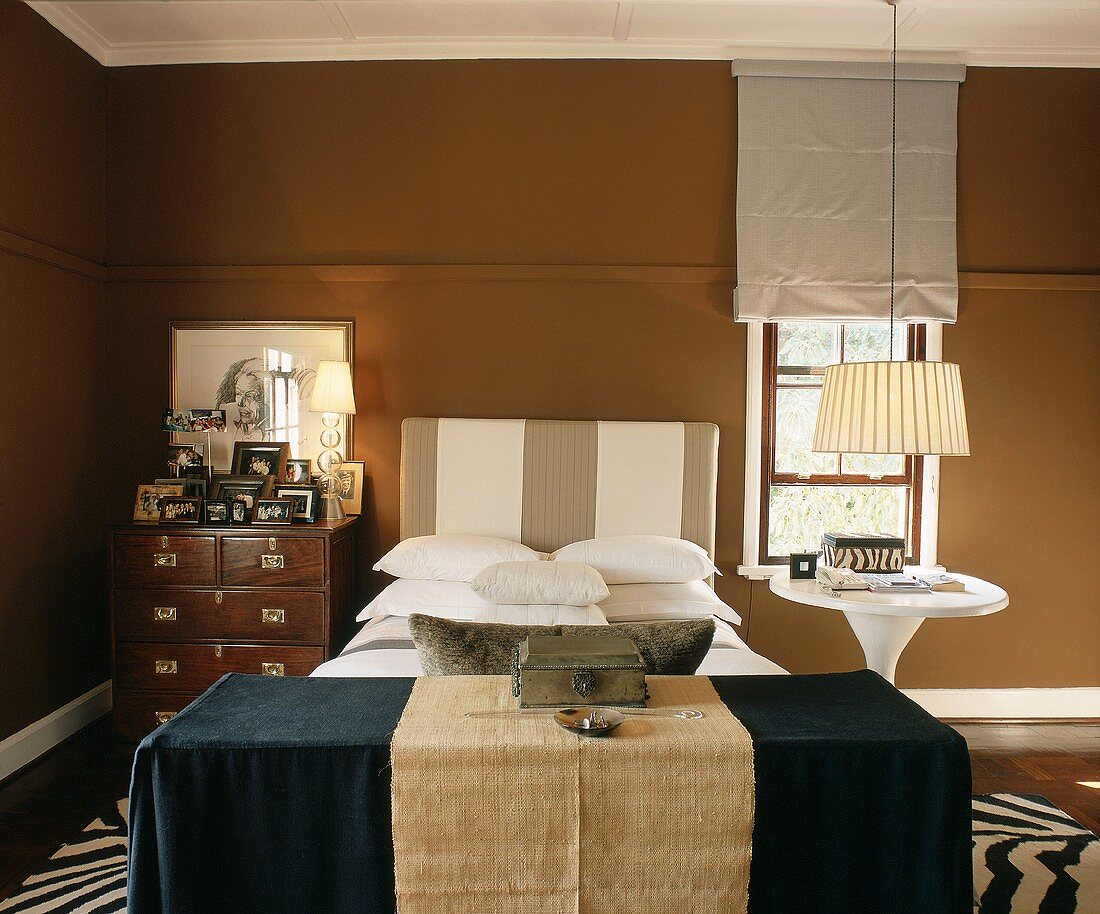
[56,797]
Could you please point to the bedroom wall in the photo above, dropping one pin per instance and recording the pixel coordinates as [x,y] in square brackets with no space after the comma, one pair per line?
[53,616]
[610,187]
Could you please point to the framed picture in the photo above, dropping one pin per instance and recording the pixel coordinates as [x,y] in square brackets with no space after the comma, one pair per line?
[215,511]
[179,509]
[273,511]
[247,488]
[306,502]
[147,502]
[299,471]
[181,456]
[240,510]
[262,374]
[267,459]
[351,486]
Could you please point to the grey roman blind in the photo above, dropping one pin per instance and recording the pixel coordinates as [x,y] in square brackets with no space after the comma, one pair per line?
[813,191]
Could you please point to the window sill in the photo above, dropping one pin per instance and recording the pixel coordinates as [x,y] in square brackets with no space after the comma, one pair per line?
[763,572]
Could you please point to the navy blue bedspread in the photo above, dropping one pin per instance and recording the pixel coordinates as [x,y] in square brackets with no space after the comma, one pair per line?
[273,795]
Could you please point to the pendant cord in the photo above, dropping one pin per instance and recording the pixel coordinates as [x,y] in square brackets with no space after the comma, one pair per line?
[893,166]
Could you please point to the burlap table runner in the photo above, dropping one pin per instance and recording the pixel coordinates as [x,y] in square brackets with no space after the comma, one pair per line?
[515,814]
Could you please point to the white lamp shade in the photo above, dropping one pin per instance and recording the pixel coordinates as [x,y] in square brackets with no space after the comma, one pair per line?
[332,392]
[892,408]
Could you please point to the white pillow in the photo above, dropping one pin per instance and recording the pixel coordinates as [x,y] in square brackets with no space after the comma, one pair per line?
[650,602]
[568,583]
[455,600]
[640,559]
[450,556]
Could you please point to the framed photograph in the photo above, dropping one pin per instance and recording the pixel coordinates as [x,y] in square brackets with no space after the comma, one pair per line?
[215,511]
[351,486]
[262,374]
[273,511]
[247,488]
[181,456]
[179,509]
[299,471]
[240,511]
[267,459]
[147,502]
[306,502]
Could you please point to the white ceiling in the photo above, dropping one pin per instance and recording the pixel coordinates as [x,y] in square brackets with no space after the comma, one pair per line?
[976,32]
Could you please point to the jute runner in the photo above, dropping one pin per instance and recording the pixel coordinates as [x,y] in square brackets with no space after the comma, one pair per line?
[514,814]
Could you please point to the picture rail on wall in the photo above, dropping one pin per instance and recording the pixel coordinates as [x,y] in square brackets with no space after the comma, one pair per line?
[262,374]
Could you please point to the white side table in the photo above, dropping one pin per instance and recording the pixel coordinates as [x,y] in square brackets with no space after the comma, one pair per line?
[884,623]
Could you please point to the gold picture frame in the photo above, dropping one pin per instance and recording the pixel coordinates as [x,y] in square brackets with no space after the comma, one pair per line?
[148,499]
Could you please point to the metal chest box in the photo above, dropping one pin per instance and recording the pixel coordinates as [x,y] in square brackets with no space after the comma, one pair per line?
[866,552]
[554,671]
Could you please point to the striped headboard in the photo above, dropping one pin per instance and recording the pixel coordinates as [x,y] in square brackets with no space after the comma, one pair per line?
[547,483]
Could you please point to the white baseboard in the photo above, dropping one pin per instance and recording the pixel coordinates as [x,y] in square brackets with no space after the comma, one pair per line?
[24,747]
[1004,704]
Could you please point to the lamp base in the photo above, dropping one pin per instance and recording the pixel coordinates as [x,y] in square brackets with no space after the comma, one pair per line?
[331,509]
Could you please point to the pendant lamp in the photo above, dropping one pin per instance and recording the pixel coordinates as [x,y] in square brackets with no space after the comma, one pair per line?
[892,407]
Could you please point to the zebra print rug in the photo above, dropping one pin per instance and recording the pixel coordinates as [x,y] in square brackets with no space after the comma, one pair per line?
[1029,858]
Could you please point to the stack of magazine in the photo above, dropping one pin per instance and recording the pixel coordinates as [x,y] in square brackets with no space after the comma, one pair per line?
[904,583]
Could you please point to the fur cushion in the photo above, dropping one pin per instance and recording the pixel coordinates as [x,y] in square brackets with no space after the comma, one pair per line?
[450,648]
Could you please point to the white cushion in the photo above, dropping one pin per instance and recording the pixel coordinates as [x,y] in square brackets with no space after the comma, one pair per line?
[640,559]
[455,600]
[450,556]
[568,583]
[650,602]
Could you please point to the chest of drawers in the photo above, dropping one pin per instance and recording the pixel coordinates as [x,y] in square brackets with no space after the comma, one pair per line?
[189,604]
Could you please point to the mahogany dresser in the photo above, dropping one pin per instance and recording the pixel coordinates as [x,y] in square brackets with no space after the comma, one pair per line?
[189,604]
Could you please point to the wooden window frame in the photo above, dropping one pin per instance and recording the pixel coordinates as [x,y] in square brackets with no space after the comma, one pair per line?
[912,477]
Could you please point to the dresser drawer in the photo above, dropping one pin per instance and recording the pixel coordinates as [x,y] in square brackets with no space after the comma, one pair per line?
[174,667]
[273,561]
[151,561]
[139,713]
[197,615]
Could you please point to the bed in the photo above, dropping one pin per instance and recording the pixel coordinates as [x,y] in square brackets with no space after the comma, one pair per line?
[547,484]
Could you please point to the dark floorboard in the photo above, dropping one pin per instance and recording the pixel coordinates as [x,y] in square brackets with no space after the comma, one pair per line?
[57,796]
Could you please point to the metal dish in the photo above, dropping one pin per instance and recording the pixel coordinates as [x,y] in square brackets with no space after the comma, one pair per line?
[590,721]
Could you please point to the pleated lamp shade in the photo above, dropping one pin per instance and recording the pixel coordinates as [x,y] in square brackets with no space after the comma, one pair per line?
[332,391]
[892,408]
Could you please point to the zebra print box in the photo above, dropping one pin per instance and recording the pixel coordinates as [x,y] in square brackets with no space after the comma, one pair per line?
[863,553]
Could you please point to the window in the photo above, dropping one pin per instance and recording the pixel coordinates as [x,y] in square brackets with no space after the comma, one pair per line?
[804,494]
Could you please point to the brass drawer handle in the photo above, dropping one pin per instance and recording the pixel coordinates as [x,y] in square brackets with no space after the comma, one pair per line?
[166,666]
[271,669]
[164,613]
[164,559]
[163,716]
[271,561]
[272,615]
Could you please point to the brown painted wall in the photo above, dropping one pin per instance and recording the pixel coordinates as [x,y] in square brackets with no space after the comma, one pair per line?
[541,162]
[52,405]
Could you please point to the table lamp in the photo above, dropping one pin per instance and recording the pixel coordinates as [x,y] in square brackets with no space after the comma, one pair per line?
[332,397]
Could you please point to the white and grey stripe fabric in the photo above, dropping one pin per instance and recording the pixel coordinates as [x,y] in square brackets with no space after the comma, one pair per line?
[85,877]
[1031,858]
[548,483]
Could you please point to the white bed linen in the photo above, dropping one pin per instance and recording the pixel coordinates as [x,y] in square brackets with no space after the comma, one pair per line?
[729,656]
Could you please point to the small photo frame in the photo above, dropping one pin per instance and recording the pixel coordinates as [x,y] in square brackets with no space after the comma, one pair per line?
[248,487]
[273,511]
[306,502]
[298,471]
[351,475]
[179,509]
[261,458]
[240,511]
[215,511]
[181,456]
[148,500]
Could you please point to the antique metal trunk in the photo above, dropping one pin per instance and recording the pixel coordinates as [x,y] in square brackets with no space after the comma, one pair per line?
[863,553]
[555,671]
